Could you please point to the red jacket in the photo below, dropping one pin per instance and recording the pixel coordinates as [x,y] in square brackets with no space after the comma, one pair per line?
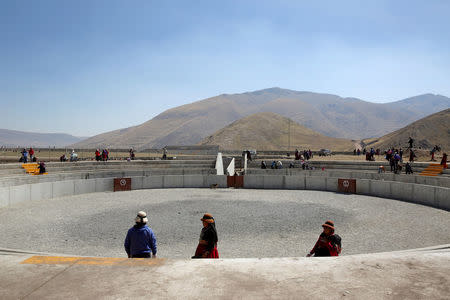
[327,245]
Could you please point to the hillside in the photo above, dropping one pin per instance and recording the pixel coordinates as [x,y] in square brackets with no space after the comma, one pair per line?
[270,131]
[328,114]
[13,138]
[427,132]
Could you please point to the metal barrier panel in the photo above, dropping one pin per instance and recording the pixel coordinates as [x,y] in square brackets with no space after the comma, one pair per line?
[122,184]
[230,181]
[235,181]
[347,185]
[238,181]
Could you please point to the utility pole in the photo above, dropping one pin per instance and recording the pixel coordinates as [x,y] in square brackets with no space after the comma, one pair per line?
[289,134]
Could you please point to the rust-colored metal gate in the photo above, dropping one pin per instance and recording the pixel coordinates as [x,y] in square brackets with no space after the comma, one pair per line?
[347,185]
[122,184]
[235,181]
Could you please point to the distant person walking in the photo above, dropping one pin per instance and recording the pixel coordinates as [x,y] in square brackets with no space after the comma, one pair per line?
[207,244]
[410,142]
[328,244]
[164,153]
[432,152]
[412,155]
[140,241]
[31,152]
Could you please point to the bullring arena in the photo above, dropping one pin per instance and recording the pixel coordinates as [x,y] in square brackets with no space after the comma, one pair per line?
[62,233]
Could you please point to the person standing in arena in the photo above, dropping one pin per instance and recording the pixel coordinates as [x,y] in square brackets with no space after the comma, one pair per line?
[207,245]
[140,241]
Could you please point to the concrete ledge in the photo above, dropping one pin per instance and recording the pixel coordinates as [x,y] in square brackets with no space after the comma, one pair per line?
[424,194]
[172,181]
[104,184]
[316,183]
[84,186]
[381,189]
[63,188]
[254,182]
[4,196]
[273,182]
[41,191]
[152,182]
[220,180]
[193,181]
[295,182]
[19,193]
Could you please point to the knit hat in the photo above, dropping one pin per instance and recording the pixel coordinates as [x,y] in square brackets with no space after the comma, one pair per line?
[141,217]
[329,224]
[208,218]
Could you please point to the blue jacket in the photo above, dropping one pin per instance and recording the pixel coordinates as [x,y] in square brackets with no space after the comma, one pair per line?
[139,240]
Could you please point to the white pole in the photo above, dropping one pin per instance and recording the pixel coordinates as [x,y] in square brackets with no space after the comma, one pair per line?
[219,164]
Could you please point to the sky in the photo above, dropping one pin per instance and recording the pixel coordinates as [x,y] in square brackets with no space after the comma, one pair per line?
[88,67]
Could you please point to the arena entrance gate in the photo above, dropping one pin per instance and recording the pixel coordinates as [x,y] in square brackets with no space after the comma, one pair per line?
[235,181]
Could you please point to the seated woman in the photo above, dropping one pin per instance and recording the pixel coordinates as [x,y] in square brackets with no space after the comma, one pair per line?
[444,160]
[41,167]
[207,245]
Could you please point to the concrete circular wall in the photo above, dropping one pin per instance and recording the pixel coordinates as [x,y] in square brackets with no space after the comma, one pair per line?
[431,195]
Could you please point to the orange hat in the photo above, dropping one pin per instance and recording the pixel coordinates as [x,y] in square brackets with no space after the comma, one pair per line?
[329,224]
[208,218]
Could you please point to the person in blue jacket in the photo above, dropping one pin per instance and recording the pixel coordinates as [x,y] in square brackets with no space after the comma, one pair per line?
[140,240]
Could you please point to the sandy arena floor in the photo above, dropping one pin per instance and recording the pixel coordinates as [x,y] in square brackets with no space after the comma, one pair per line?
[250,223]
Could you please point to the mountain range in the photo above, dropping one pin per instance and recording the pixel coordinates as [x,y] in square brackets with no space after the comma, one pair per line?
[330,115]
[14,138]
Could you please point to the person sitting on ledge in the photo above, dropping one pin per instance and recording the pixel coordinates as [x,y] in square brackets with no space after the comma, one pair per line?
[263,165]
[279,165]
[408,169]
[444,161]
[140,240]
[207,244]
[41,167]
[328,244]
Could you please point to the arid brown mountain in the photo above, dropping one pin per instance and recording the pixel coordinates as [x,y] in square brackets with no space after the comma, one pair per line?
[328,114]
[427,132]
[14,138]
[270,131]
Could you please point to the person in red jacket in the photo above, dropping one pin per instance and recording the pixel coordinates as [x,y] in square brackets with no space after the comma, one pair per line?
[31,152]
[328,244]
[97,155]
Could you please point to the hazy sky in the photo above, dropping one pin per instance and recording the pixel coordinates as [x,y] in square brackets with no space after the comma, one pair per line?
[86,67]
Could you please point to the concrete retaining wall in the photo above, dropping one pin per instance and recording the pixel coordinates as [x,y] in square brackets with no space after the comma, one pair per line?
[434,196]
[48,190]
[442,181]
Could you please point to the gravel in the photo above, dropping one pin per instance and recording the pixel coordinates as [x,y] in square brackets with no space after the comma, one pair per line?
[250,223]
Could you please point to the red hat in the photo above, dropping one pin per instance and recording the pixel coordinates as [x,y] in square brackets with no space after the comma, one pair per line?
[329,224]
[208,218]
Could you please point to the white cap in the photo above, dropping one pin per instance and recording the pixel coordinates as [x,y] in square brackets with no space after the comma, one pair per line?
[141,217]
